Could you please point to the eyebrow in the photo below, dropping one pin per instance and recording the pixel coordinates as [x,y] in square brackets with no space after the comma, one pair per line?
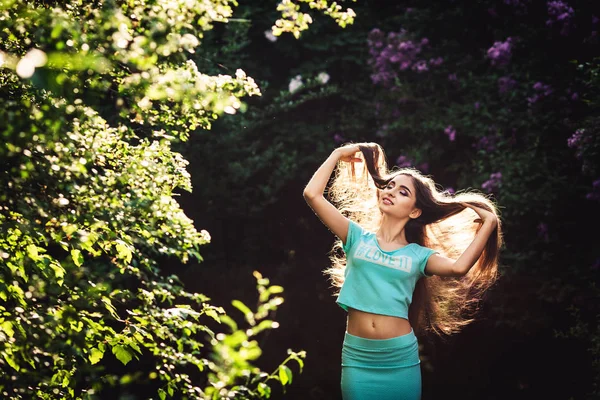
[402,186]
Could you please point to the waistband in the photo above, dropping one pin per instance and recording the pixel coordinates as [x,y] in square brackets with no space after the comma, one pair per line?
[395,342]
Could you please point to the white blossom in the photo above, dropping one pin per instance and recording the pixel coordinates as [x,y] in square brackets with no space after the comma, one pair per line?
[323,77]
[270,36]
[295,84]
[205,235]
[27,65]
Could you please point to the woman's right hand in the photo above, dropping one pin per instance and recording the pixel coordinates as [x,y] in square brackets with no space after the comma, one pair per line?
[348,152]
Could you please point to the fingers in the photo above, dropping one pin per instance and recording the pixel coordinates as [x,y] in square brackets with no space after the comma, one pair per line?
[351,159]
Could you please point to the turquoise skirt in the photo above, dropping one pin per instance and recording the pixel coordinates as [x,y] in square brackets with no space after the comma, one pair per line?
[381,369]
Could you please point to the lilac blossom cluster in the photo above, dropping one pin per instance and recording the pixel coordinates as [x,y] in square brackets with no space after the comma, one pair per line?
[383,131]
[501,52]
[577,141]
[493,183]
[520,6]
[506,84]
[595,193]
[395,52]
[561,14]
[486,143]
[574,96]
[541,90]
[404,162]
[450,132]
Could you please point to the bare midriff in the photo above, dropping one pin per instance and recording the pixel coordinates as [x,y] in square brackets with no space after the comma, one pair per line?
[376,326]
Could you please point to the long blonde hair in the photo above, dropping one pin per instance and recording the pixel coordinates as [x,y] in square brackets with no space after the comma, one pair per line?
[443,305]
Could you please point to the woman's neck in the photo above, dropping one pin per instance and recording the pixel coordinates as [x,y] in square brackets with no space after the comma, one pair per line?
[392,231]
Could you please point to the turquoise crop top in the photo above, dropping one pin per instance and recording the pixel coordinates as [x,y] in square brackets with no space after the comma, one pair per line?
[378,281]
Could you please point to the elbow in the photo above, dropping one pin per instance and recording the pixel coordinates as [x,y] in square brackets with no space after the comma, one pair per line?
[309,195]
[458,271]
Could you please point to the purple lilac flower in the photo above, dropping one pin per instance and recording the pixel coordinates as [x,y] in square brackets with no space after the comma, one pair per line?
[562,14]
[435,62]
[595,193]
[424,167]
[519,6]
[383,131]
[450,132]
[500,53]
[337,138]
[477,105]
[542,229]
[403,161]
[596,265]
[450,190]
[576,139]
[393,53]
[492,12]
[420,66]
[487,143]
[542,90]
[505,84]
[493,183]
[452,77]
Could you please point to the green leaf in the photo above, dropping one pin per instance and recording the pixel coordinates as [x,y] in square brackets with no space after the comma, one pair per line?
[59,271]
[77,257]
[66,380]
[32,252]
[11,361]
[122,353]
[285,375]
[213,314]
[275,289]
[95,355]
[264,390]
[162,394]
[245,310]
[123,251]
[7,328]
[109,307]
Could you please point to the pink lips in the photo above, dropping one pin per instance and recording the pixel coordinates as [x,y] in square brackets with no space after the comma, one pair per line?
[387,201]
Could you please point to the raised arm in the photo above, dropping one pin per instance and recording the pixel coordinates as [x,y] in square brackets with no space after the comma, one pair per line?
[313,192]
[443,266]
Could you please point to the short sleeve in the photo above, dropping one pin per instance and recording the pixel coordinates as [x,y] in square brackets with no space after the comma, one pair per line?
[424,255]
[354,233]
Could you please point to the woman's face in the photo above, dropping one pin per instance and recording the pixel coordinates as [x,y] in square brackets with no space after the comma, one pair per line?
[398,198]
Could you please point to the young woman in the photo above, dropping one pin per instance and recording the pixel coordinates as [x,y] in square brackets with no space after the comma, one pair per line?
[407,255]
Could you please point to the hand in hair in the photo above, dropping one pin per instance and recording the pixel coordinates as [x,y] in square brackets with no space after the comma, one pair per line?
[348,152]
[484,214]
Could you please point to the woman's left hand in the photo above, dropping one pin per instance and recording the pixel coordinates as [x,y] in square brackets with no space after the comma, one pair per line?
[485,215]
